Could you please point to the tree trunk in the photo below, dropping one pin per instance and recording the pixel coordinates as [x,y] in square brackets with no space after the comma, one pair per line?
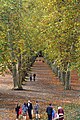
[12,59]
[14,76]
[63,77]
[19,81]
[67,81]
[59,74]
[19,71]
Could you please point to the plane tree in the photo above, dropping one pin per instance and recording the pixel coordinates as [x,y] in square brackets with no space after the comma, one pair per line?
[28,27]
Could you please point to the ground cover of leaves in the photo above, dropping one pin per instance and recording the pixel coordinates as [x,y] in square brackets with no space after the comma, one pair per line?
[46,89]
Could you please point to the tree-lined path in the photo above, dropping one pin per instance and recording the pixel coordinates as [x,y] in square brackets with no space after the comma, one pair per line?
[46,88]
[32,28]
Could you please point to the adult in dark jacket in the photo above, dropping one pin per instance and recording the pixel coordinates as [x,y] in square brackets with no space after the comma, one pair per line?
[30,108]
[17,111]
[34,75]
[49,111]
[30,77]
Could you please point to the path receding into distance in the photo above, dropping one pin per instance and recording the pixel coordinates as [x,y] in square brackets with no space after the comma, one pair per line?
[46,88]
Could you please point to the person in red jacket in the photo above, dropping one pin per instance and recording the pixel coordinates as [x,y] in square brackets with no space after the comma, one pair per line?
[61,113]
[20,113]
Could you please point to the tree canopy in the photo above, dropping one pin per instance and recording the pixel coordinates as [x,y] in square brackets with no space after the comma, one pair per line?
[30,26]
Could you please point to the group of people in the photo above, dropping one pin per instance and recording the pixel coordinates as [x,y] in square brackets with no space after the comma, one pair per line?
[26,111]
[32,77]
[53,115]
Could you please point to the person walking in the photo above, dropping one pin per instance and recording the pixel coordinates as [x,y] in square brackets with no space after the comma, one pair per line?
[30,77]
[53,114]
[36,110]
[34,75]
[49,111]
[24,110]
[61,113]
[30,108]
[17,111]
[20,113]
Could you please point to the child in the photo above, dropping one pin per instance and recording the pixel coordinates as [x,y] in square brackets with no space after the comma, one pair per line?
[20,113]
[36,109]
[53,114]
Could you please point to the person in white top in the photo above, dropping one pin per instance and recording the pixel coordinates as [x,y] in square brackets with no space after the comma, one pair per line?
[30,109]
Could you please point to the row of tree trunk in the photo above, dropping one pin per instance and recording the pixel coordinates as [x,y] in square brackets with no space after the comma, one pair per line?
[64,76]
